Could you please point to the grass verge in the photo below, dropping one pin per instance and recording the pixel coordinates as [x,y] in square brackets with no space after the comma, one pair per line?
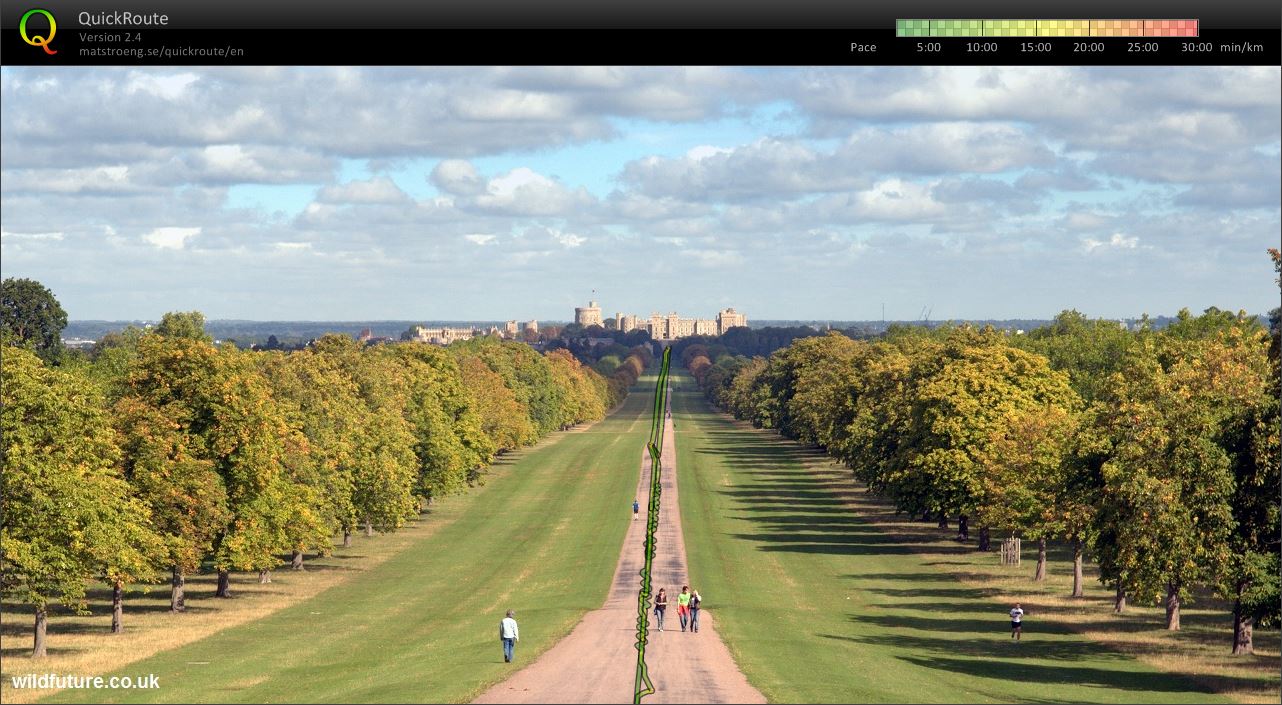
[409,617]
[822,597]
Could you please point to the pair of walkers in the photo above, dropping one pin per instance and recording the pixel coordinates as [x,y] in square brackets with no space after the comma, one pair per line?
[688,605]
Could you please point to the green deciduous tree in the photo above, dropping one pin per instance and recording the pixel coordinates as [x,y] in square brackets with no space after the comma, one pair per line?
[503,418]
[959,400]
[251,443]
[188,325]
[1168,481]
[66,511]
[449,442]
[31,317]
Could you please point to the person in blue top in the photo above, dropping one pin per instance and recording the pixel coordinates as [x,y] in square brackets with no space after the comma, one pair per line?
[636,510]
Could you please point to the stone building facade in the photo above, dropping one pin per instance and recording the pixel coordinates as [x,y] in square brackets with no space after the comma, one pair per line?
[670,326]
[589,315]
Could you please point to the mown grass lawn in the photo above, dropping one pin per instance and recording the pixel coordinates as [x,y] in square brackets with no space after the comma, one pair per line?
[541,537]
[819,604]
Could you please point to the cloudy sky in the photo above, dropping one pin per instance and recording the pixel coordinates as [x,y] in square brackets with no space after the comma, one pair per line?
[492,193]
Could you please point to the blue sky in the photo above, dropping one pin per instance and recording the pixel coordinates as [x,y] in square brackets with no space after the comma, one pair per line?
[495,193]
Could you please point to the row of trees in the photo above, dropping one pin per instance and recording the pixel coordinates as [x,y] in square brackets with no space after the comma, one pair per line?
[162,454]
[748,342]
[1154,452]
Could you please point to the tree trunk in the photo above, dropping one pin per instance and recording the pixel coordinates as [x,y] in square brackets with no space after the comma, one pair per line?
[117,607]
[347,537]
[963,527]
[264,576]
[1119,600]
[1077,568]
[177,600]
[297,561]
[369,528]
[985,543]
[39,650]
[1040,573]
[224,584]
[1172,607]
[1243,628]
[943,520]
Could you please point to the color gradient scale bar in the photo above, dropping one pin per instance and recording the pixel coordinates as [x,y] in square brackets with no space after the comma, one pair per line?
[956,28]
[912,28]
[1046,28]
[1117,28]
[1011,28]
[1170,28]
[1063,28]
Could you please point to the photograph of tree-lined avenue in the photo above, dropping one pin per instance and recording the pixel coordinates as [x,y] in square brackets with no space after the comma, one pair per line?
[904,384]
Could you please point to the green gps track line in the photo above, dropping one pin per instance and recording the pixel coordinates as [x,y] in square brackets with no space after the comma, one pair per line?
[643,686]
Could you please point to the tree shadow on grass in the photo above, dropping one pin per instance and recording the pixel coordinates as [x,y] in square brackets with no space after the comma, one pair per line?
[966,593]
[918,577]
[998,659]
[8,652]
[1137,681]
[310,567]
[977,626]
[839,549]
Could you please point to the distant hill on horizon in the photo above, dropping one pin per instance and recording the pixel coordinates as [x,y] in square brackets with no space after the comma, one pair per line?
[250,331]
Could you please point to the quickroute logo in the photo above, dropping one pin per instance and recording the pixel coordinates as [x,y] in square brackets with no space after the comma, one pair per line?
[38,40]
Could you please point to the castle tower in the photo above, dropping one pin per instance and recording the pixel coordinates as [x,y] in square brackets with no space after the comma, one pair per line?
[589,315]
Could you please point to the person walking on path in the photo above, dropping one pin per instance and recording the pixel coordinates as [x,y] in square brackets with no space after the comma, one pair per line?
[509,634]
[683,606]
[660,606]
[636,510]
[695,602]
[1016,621]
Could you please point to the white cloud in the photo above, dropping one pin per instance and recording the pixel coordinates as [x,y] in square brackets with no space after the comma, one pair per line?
[6,235]
[168,86]
[480,239]
[524,192]
[458,177]
[1117,242]
[568,239]
[896,199]
[379,190]
[704,151]
[170,238]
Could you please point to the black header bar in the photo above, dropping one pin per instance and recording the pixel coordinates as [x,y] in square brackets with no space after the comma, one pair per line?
[578,32]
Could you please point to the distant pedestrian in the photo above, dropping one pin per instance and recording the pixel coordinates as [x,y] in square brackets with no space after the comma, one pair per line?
[660,606]
[696,601]
[1016,621]
[509,634]
[636,510]
[683,606]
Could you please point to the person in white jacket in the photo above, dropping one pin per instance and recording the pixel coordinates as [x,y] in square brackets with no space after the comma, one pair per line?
[509,634]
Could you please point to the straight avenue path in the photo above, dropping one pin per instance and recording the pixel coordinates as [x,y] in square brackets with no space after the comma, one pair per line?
[597,662]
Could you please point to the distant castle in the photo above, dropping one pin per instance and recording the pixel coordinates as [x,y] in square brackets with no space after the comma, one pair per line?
[445,336]
[659,326]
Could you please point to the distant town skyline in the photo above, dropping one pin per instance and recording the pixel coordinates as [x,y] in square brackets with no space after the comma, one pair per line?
[456,194]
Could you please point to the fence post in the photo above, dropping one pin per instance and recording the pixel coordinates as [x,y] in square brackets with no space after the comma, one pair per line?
[1010,551]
